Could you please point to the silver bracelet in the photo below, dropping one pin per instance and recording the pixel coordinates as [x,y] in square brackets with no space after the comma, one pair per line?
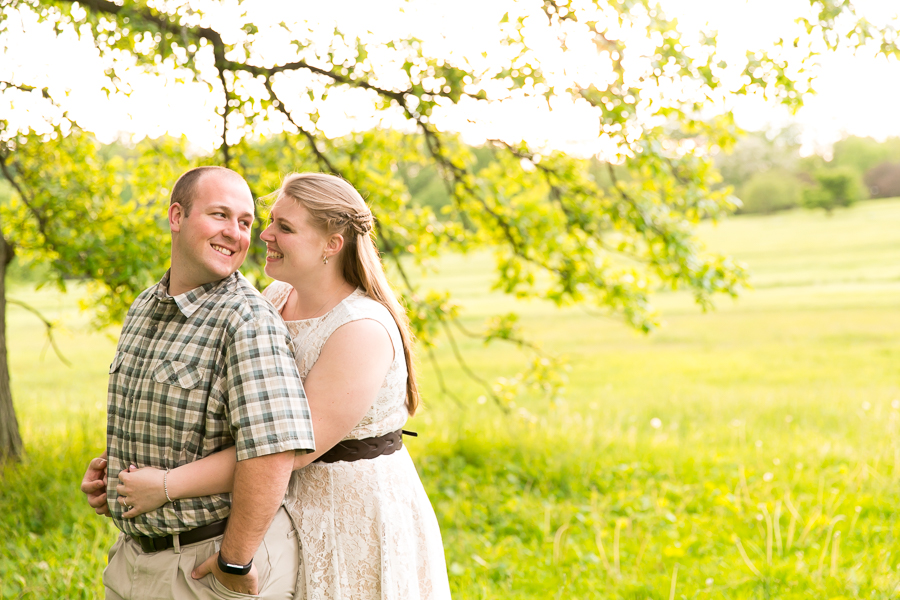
[166,485]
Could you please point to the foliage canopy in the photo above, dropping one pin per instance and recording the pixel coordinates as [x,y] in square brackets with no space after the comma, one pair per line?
[659,106]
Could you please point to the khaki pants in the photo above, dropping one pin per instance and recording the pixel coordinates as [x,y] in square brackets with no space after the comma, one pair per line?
[135,575]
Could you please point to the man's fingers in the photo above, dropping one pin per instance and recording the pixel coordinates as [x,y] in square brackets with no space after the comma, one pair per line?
[98,503]
[96,469]
[206,568]
[92,487]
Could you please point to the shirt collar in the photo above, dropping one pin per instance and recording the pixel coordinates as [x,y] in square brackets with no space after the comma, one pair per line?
[190,301]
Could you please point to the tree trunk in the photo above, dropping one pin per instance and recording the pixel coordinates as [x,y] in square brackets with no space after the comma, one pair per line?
[10,441]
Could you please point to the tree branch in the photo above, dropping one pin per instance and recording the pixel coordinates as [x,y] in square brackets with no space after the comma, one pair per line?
[469,372]
[29,202]
[49,325]
[442,385]
[220,52]
[26,88]
[168,24]
[279,104]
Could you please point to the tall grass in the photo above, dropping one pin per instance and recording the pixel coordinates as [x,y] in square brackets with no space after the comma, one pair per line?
[751,452]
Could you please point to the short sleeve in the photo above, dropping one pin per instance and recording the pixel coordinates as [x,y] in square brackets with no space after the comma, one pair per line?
[267,408]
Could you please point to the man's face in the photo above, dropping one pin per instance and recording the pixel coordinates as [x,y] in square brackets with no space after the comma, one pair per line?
[211,242]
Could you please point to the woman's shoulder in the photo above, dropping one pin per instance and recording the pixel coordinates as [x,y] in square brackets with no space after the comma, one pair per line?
[277,293]
[361,306]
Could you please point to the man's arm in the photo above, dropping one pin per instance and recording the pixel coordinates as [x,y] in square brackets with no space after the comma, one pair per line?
[259,487]
[269,418]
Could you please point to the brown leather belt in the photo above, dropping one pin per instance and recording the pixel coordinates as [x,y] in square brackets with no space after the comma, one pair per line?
[351,450]
[201,534]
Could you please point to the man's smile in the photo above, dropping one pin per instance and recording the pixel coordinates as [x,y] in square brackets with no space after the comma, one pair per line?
[222,250]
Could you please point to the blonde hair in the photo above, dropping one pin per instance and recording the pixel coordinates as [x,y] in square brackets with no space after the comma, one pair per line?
[336,207]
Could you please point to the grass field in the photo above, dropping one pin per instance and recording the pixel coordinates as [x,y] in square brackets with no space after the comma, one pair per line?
[751,452]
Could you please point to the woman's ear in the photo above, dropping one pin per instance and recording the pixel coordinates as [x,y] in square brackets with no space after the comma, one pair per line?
[334,245]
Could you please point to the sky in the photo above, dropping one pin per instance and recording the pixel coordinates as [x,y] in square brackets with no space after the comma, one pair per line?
[856,94]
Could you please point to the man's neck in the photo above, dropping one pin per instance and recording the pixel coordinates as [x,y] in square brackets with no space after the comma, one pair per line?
[178,287]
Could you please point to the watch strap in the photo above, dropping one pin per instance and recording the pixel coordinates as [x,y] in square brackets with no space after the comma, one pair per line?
[233,569]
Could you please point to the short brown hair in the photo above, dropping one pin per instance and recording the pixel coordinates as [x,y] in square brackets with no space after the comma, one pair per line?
[185,187]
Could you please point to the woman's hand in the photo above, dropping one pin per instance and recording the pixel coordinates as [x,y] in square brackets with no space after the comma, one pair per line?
[141,490]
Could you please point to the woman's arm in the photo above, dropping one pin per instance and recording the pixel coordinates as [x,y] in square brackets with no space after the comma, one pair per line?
[340,388]
[343,384]
[144,489]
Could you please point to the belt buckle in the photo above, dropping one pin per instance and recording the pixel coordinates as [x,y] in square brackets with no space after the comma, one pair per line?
[151,545]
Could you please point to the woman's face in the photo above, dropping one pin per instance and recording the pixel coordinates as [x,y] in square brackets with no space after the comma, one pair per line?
[295,246]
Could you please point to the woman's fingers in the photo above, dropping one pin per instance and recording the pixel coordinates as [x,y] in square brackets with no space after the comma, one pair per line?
[131,511]
[136,490]
[121,488]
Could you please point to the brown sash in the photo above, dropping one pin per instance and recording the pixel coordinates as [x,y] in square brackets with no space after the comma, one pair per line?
[350,450]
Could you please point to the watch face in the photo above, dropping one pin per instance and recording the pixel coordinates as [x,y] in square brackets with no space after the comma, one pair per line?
[233,569]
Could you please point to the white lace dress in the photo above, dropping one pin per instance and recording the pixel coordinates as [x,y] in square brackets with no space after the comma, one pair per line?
[367,529]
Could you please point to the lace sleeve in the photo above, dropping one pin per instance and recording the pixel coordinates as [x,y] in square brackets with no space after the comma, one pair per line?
[277,293]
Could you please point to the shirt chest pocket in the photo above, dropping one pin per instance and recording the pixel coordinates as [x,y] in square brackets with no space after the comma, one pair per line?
[116,363]
[180,391]
[179,374]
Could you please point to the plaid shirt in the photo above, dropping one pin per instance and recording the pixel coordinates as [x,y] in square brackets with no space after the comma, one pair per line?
[194,374]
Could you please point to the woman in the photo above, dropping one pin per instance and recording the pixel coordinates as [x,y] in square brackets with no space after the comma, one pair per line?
[365,525]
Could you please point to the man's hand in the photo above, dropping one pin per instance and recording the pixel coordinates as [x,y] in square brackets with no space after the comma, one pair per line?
[243,584]
[94,485]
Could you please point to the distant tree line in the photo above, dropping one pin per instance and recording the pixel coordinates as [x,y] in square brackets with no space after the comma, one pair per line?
[767,173]
[764,170]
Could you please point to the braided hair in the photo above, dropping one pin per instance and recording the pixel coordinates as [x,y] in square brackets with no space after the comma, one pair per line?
[336,207]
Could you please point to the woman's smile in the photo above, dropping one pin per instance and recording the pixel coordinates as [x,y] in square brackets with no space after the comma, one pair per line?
[272,254]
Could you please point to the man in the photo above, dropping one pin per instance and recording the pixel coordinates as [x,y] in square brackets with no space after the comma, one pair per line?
[202,364]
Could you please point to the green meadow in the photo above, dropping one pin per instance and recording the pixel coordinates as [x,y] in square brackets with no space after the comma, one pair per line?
[748,452]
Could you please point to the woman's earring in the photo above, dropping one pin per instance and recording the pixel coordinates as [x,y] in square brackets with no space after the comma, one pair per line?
[324,259]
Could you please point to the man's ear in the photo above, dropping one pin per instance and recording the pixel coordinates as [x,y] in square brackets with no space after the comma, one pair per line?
[176,216]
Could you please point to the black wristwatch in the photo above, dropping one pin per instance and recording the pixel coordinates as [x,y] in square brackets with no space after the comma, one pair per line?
[233,569]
